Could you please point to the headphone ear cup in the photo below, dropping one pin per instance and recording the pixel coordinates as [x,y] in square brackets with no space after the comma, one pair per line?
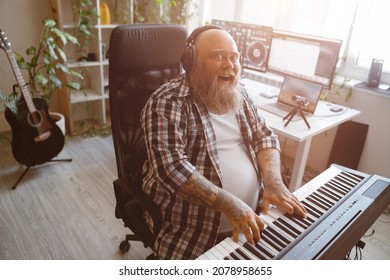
[188,59]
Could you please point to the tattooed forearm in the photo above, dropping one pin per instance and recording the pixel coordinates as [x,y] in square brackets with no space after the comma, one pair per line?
[269,161]
[199,190]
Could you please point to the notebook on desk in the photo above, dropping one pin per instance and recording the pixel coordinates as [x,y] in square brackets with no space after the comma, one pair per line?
[292,91]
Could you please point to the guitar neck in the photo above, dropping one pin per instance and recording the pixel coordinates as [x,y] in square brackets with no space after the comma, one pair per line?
[19,77]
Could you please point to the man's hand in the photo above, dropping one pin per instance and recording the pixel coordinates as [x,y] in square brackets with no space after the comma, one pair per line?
[243,219]
[275,192]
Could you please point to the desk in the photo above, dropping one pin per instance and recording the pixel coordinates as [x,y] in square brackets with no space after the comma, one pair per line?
[322,120]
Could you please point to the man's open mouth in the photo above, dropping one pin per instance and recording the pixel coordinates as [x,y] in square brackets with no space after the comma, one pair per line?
[225,78]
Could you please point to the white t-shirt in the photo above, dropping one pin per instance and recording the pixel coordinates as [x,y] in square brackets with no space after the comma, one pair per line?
[238,173]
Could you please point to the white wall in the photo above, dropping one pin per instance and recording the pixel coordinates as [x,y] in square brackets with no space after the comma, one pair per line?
[21,21]
[375,108]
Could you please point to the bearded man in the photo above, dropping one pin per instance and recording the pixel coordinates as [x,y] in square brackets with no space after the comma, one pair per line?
[211,157]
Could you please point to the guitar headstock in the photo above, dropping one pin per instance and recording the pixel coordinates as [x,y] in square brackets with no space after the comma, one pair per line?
[4,44]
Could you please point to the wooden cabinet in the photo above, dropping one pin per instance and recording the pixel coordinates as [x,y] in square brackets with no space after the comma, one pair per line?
[89,106]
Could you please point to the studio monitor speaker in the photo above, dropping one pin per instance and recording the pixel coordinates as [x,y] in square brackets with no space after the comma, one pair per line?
[374,76]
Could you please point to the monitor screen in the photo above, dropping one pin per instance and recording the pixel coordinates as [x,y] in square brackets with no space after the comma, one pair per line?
[253,41]
[304,56]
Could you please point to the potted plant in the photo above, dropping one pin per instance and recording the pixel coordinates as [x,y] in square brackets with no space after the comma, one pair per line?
[85,17]
[162,11]
[46,64]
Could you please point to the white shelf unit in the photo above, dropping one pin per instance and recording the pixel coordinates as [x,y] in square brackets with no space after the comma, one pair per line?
[91,102]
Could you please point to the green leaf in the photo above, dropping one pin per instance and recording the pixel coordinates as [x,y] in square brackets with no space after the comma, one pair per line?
[41,79]
[57,82]
[31,51]
[76,74]
[73,85]
[71,38]
[52,53]
[62,54]
[62,67]
[60,35]
[48,22]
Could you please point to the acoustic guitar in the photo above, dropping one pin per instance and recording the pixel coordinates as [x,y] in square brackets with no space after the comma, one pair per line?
[36,138]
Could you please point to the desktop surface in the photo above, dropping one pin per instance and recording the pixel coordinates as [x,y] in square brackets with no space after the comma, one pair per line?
[322,119]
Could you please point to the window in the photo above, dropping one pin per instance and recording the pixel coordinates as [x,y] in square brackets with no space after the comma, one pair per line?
[362,25]
[370,38]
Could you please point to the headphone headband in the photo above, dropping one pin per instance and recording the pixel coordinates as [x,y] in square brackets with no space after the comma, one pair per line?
[188,58]
[197,31]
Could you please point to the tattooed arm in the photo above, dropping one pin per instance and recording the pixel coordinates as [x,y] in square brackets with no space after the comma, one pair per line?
[275,191]
[242,218]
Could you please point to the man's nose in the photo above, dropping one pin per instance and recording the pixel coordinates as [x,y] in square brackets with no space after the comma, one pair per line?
[228,63]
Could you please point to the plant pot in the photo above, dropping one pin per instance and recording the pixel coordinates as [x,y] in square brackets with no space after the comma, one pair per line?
[59,119]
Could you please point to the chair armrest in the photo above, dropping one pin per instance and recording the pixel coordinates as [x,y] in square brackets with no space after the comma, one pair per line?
[147,203]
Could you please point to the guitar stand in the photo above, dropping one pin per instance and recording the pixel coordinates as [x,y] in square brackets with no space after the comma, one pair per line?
[293,112]
[28,168]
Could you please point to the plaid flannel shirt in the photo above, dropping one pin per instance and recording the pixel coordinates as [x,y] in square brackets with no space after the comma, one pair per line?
[179,140]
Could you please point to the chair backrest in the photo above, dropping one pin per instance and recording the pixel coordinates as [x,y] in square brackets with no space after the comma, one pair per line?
[142,57]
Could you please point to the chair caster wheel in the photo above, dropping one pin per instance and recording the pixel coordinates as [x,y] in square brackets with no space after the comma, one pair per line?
[124,246]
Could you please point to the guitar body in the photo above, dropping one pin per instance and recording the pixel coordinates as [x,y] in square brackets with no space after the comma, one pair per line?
[27,146]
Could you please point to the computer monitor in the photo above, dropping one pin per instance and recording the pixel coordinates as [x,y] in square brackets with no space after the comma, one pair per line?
[253,41]
[303,56]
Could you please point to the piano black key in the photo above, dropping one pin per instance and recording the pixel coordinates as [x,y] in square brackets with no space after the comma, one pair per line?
[287,227]
[332,192]
[310,209]
[308,219]
[296,225]
[348,181]
[323,200]
[353,177]
[299,221]
[317,203]
[279,244]
[326,197]
[265,249]
[256,251]
[235,256]
[344,182]
[243,254]
[281,235]
[325,192]
[338,188]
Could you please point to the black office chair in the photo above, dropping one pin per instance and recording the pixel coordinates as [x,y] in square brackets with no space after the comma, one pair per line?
[142,57]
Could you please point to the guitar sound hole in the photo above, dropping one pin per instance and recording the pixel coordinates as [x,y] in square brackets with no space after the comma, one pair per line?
[35,119]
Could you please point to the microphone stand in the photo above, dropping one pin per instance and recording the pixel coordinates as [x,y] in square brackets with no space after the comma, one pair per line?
[298,108]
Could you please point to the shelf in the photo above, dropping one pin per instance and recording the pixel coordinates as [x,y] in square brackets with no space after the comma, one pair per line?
[78,96]
[77,64]
[91,104]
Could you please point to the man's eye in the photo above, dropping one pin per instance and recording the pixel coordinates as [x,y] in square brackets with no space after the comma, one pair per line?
[219,56]
[235,58]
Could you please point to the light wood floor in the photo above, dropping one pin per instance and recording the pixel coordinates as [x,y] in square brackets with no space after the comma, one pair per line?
[63,210]
[66,210]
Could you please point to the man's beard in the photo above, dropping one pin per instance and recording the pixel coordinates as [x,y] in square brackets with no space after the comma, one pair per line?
[218,99]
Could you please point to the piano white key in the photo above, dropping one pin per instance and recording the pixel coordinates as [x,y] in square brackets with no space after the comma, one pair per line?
[202,257]
[220,252]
